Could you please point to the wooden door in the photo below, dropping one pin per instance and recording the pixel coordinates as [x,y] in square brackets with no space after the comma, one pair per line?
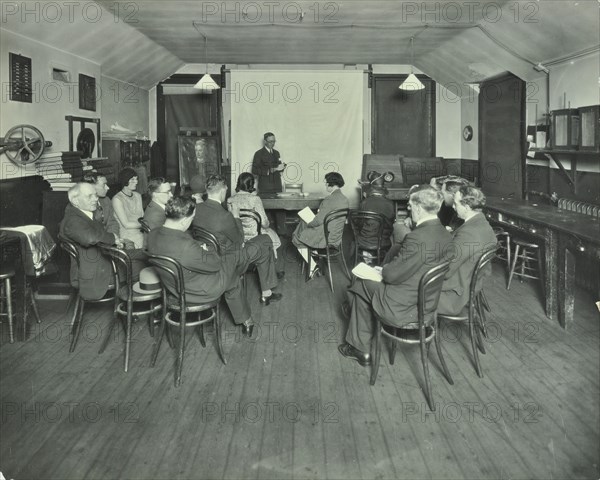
[403,122]
[502,136]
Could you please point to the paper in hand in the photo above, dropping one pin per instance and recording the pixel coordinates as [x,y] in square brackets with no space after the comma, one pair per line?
[306,214]
[366,272]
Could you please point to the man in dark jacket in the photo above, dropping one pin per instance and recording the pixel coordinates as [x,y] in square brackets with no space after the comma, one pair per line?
[395,297]
[267,165]
[227,227]
[160,192]
[207,275]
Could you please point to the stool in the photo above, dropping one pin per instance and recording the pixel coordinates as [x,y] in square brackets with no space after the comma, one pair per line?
[6,294]
[503,251]
[523,255]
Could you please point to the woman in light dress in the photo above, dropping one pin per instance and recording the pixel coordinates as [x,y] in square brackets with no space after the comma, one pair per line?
[127,205]
[246,198]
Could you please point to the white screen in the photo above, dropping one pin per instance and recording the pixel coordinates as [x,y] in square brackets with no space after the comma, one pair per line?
[316,117]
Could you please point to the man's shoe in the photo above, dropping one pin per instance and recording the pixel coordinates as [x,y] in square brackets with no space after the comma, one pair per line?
[247,329]
[274,297]
[349,351]
[280,275]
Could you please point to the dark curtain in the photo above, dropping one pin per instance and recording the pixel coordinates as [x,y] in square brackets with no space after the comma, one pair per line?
[194,112]
[404,122]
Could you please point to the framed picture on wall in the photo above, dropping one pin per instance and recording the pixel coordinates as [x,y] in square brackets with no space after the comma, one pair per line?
[87,92]
[198,155]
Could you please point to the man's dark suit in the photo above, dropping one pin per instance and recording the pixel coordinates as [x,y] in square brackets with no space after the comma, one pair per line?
[95,271]
[395,298]
[384,206]
[262,163]
[106,215]
[449,217]
[469,242]
[211,216]
[207,275]
[154,215]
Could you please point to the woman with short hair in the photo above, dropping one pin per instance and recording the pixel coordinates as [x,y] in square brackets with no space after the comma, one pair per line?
[128,208]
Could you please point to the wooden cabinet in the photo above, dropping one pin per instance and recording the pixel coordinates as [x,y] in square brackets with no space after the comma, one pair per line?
[565,129]
[125,153]
[589,133]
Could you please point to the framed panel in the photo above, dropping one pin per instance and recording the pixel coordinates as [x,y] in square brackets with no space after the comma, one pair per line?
[20,78]
[87,92]
[198,155]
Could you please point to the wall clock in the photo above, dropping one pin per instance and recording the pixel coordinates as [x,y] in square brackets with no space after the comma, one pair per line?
[468,133]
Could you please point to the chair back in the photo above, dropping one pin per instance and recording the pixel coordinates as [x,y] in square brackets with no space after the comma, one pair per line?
[333,226]
[119,257]
[367,228]
[293,187]
[69,247]
[145,228]
[205,236]
[251,222]
[430,288]
[486,257]
[172,269]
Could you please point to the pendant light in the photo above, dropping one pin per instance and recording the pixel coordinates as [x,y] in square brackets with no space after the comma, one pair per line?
[206,83]
[412,82]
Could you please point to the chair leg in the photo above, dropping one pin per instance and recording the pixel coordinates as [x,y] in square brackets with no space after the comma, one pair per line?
[343,260]
[181,350]
[508,252]
[392,352]
[9,309]
[219,334]
[329,271]
[72,299]
[513,267]
[523,264]
[34,306]
[108,334]
[158,341]
[481,308]
[478,330]
[438,347]
[474,347]
[128,335]
[425,361]
[541,274]
[78,320]
[376,357]
[201,335]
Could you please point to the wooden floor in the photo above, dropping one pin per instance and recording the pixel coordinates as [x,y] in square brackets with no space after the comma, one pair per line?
[287,405]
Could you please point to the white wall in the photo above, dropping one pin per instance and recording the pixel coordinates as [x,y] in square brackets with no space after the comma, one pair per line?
[52,101]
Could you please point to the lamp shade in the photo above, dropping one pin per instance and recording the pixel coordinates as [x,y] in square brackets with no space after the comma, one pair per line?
[207,83]
[411,83]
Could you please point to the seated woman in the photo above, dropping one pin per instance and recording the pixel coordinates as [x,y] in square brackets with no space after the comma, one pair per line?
[312,234]
[245,198]
[127,205]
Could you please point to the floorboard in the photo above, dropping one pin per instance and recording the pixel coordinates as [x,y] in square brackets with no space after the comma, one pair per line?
[288,406]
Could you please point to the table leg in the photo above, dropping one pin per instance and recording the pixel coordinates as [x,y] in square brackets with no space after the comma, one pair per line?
[566,286]
[551,284]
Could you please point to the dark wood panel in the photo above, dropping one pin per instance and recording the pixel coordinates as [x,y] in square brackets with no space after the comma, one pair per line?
[21,201]
[403,121]
[502,136]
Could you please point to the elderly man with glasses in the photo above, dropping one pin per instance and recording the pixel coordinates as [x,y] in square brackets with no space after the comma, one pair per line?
[160,192]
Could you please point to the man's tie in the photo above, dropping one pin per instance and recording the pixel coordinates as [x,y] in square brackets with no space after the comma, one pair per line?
[99,214]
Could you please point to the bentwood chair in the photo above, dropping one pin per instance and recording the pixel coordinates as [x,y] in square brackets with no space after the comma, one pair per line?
[177,310]
[368,229]
[148,304]
[111,295]
[474,312]
[334,220]
[423,332]
[252,222]
[144,227]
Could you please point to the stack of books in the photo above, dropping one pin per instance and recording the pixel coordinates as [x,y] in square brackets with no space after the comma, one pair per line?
[100,165]
[61,169]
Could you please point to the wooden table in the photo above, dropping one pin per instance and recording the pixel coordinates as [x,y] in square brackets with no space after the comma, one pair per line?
[563,233]
[291,201]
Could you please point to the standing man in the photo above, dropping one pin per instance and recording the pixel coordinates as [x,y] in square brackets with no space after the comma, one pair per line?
[267,166]
[160,191]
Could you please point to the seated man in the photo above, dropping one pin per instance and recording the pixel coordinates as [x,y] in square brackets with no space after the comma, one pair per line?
[395,298]
[78,225]
[160,193]
[470,241]
[227,227]
[447,185]
[207,275]
[376,201]
[104,211]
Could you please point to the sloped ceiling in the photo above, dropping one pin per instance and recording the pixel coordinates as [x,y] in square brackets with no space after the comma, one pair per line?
[455,42]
